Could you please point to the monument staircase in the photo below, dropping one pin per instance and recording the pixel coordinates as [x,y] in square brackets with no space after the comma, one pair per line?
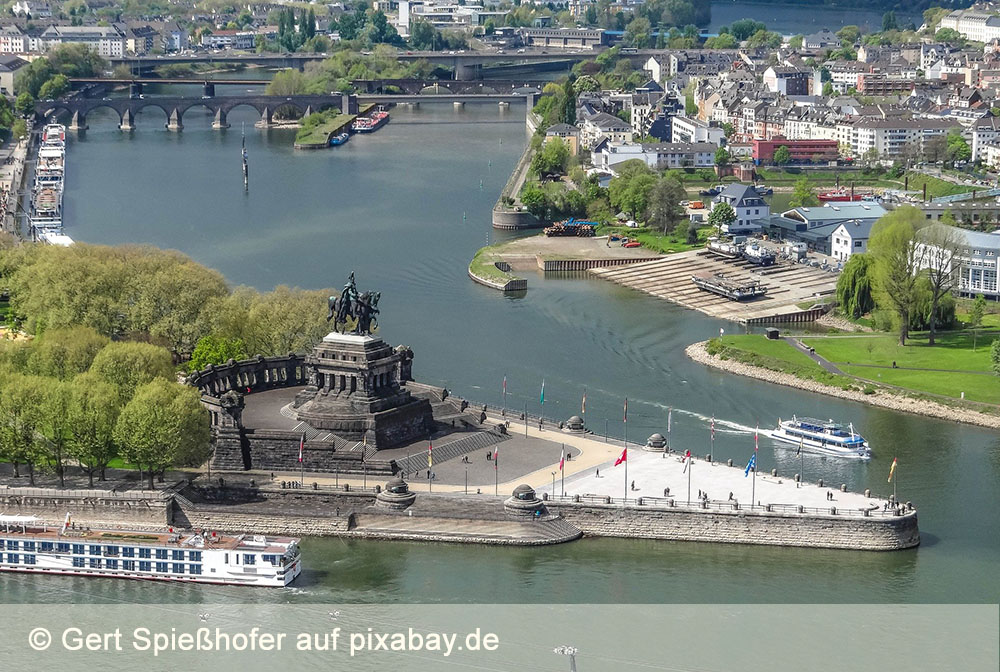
[482,440]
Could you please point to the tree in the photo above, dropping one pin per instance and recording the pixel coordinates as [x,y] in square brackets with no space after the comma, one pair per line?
[24,103]
[849,35]
[552,159]
[782,155]
[995,356]
[665,207]
[722,215]
[65,352]
[722,157]
[585,83]
[976,315]
[127,366]
[958,148]
[854,286]
[20,398]
[629,191]
[802,195]
[894,249]
[163,425]
[53,424]
[827,89]
[744,28]
[54,88]
[93,410]
[214,349]
[939,246]
[795,42]
[889,21]
[637,32]
[949,36]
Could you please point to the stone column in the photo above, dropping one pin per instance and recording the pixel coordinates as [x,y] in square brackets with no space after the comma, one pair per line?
[174,123]
[220,120]
[265,118]
[79,122]
[128,121]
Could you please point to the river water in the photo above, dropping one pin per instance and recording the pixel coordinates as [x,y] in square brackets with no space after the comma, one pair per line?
[803,18]
[406,208]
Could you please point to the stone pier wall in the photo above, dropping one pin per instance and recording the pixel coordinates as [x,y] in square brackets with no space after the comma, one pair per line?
[234,522]
[876,533]
[90,508]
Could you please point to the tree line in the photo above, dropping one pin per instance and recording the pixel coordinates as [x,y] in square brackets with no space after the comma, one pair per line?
[73,396]
[906,278]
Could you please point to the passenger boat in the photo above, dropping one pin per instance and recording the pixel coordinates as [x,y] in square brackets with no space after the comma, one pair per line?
[828,438]
[339,139]
[723,248]
[757,254]
[29,545]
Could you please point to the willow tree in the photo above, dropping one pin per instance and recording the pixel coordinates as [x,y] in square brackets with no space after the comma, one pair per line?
[896,253]
[854,286]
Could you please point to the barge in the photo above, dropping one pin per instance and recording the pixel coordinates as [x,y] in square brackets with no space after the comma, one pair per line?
[731,289]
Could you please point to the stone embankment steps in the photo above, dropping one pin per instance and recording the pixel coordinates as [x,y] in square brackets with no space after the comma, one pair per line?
[499,532]
[670,278]
[451,450]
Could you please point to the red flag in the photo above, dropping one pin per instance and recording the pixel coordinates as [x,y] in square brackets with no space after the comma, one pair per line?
[562,460]
[302,443]
[623,458]
[626,410]
[687,455]
[496,456]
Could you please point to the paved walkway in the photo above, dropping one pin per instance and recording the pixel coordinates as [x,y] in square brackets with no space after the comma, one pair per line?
[811,354]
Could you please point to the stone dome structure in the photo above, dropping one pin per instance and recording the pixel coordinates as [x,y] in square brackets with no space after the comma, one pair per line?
[575,424]
[656,442]
[524,502]
[395,496]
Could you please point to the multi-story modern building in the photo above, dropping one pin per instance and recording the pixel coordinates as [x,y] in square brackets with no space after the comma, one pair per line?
[815,226]
[973,25]
[802,151]
[606,125]
[690,129]
[975,261]
[661,156]
[108,41]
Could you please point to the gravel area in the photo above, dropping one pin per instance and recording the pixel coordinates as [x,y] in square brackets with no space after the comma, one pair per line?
[882,397]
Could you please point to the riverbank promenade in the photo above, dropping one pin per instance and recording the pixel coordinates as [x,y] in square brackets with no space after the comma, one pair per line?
[590,472]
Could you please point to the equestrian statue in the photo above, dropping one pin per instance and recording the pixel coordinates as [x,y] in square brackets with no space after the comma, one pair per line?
[350,305]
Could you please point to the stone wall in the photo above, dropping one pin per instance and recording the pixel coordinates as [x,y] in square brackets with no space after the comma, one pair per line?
[218,518]
[876,533]
[276,449]
[89,508]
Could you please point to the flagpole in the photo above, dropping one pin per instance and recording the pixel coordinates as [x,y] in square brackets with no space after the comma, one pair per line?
[690,469]
[625,441]
[302,461]
[525,419]
[753,486]
[496,474]
[505,396]
[562,470]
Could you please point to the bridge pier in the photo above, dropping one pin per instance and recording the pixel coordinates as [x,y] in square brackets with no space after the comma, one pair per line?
[128,122]
[135,89]
[79,122]
[265,118]
[308,111]
[466,72]
[348,104]
[458,104]
[209,89]
[175,122]
[220,121]
[504,105]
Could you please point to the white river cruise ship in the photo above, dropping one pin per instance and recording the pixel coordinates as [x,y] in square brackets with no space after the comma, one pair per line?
[28,545]
[818,436]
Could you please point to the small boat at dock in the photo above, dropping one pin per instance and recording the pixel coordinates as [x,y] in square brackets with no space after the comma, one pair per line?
[734,290]
[724,248]
[339,139]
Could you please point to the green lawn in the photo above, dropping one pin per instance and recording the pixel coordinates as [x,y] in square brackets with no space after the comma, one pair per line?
[654,240]
[320,134]
[757,350]
[953,350]
[483,265]
[976,387]
[936,186]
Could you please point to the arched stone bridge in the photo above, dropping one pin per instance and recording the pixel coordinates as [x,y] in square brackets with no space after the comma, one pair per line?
[175,107]
[415,86]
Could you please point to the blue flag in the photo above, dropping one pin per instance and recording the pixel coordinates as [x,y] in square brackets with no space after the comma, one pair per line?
[750,465]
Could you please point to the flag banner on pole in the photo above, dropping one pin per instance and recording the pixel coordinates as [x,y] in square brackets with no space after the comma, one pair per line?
[496,455]
[670,416]
[892,470]
[541,396]
[583,404]
[302,445]
[756,440]
[752,464]
[686,460]
[623,457]
[625,418]
[713,428]
[505,384]
[798,451]
[562,460]
[430,454]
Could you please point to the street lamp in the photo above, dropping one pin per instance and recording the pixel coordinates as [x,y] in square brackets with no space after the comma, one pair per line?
[570,651]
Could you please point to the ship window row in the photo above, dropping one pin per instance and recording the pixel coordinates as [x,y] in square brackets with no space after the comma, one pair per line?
[143,566]
[98,550]
[15,558]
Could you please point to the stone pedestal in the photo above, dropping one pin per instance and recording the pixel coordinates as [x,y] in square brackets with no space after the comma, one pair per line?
[396,496]
[356,391]
[524,502]
[656,443]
